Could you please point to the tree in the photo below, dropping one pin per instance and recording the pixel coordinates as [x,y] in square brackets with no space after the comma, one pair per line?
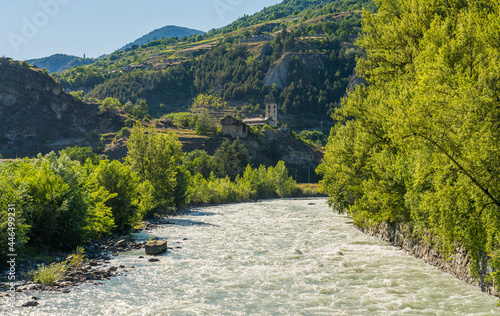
[155,157]
[80,154]
[128,203]
[200,162]
[231,158]
[419,144]
[204,124]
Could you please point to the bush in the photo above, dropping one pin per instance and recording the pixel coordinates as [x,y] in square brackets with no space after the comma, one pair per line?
[124,132]
[47,275]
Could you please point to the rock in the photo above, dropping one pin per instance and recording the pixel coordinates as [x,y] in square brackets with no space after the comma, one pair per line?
[154,260]
[141,257]
[156,247]
[30,304]
[123,242]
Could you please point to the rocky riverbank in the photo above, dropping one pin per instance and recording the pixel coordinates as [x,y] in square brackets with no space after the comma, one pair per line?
[97,265]
[458,265]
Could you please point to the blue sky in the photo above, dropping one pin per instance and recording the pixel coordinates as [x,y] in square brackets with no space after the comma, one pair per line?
[40,28]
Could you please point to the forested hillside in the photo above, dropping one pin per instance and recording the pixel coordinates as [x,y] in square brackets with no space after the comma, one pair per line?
[162,33]
[309,41]
[60,62]
[419,144]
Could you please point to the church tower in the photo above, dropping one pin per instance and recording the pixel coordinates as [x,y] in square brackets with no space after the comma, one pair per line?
[272,109]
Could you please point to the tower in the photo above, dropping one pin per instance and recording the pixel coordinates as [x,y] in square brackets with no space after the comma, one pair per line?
[272,109]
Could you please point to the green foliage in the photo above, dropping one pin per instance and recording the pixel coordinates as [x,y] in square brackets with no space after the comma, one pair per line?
[124,132]
[80,154]
[139,111]
[109,104]
[419,144]
[123,184]
[60,202]
[77,258]
[209,101]
[312,137]
[255,183]
[231,159]
[155,156]
[47,275]
[78,95]
[60,62]
[200,162]
[204,124]
[181,119]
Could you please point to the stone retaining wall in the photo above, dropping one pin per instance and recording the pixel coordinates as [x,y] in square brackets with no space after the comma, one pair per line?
[459,265]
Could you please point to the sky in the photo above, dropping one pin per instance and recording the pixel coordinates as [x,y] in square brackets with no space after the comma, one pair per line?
[40,28]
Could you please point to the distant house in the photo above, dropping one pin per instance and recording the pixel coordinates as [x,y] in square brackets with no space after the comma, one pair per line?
[234,127]
[259,37]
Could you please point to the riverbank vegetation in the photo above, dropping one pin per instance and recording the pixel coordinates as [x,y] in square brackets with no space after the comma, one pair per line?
[62,200]
[419,144]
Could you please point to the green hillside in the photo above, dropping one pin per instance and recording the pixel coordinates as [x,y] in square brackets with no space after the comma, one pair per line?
[162,33]
[60,62]
[310,44]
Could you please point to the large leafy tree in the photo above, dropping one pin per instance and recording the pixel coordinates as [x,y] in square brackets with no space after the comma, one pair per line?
[419,143]
[155,157]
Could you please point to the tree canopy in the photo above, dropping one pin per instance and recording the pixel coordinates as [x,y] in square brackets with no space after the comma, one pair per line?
[418,143]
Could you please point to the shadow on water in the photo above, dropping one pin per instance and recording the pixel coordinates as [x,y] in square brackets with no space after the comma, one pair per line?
[188,222]
[201,213]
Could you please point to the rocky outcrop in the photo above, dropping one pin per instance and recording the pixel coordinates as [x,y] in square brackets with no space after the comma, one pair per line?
[278,71]
[458,265]
[36,113]
[156,247]
[354,81]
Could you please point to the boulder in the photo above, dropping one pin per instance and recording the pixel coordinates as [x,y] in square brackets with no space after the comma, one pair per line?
[156,247]
[30,304]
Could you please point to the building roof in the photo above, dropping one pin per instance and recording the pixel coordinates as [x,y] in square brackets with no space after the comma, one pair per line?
[270,98]
[257,121]
[230,120]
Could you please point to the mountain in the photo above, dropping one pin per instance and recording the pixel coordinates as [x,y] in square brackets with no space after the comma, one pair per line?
[60,62]
[164,32]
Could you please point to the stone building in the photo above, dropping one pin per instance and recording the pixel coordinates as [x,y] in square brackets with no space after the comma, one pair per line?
[234,127]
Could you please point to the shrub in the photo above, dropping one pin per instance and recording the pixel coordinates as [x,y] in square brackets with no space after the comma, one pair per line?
[47,275]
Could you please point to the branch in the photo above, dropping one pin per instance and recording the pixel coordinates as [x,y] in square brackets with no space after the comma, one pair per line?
[471,178]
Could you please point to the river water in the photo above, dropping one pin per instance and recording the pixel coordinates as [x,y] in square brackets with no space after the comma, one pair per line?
[278,257]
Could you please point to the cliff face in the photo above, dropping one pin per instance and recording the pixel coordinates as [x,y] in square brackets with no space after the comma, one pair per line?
[278,71]
[36,115]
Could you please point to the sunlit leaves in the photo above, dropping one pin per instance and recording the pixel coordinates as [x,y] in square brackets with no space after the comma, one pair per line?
[433,104]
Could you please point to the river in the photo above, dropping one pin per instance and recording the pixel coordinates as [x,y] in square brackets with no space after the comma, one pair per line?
[277,257]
